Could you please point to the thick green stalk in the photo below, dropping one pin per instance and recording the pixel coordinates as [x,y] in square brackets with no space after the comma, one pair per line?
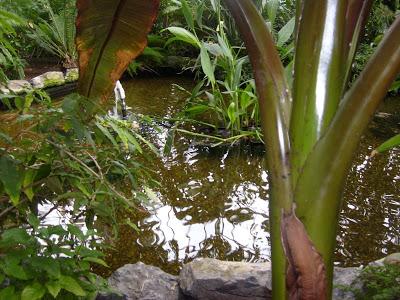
[318,75]
[275,105]
[321,183]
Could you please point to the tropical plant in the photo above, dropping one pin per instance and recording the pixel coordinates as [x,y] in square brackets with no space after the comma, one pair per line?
[311,131]
[10,61]
[57,35]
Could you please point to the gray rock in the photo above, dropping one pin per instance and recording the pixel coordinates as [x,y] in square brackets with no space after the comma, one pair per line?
[392,259]
[71,75]
[211,279]
[344,278]
[140,281]
[19,86]
[48,79]
[4,89]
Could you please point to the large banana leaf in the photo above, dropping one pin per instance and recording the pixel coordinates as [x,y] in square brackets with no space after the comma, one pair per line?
[110,34]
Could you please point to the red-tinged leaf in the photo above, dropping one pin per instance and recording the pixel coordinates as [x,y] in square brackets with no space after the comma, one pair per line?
[110,34]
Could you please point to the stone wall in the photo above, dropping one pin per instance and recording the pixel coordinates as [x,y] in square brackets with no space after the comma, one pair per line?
[46,80]
[211,279]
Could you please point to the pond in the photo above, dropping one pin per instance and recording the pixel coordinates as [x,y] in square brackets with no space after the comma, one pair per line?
[213,202]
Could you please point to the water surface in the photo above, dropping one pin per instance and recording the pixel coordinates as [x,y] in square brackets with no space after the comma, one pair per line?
[213,202]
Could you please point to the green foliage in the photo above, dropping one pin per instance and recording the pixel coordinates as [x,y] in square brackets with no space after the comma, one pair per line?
[379,283]
[382,15]
[152,56]
[51,260]
[227,92]
[11,65]
[89,171]
[387,145]
[57,35]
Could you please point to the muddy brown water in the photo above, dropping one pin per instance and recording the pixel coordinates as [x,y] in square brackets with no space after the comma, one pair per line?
[213,202]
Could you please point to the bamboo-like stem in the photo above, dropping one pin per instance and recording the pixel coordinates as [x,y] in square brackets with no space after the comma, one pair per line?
[322,180]
[275,108]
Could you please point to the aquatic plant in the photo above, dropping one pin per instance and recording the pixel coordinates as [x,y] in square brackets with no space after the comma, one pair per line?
[227,92]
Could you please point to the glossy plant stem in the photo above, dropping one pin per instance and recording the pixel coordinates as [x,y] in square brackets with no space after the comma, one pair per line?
[322,181]
[318,75]
[275,107]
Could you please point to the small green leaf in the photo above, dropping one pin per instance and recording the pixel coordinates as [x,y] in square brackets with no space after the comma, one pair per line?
[28,183]
[196,110]
[187,13]
[132,225]
[33,292]
[389,144]
[96,260]
[183,35]
[272,10]
[19,103]
[105,131]
[27,103]
[8,293]
[232,113]
[206,64]
[34,221]
[225,48]
[170,141]
[11,176]
[76,232]
[14,236]
[54,288]
[71,285]
[286,32]
[70,104]
[16,271]
[50,265]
